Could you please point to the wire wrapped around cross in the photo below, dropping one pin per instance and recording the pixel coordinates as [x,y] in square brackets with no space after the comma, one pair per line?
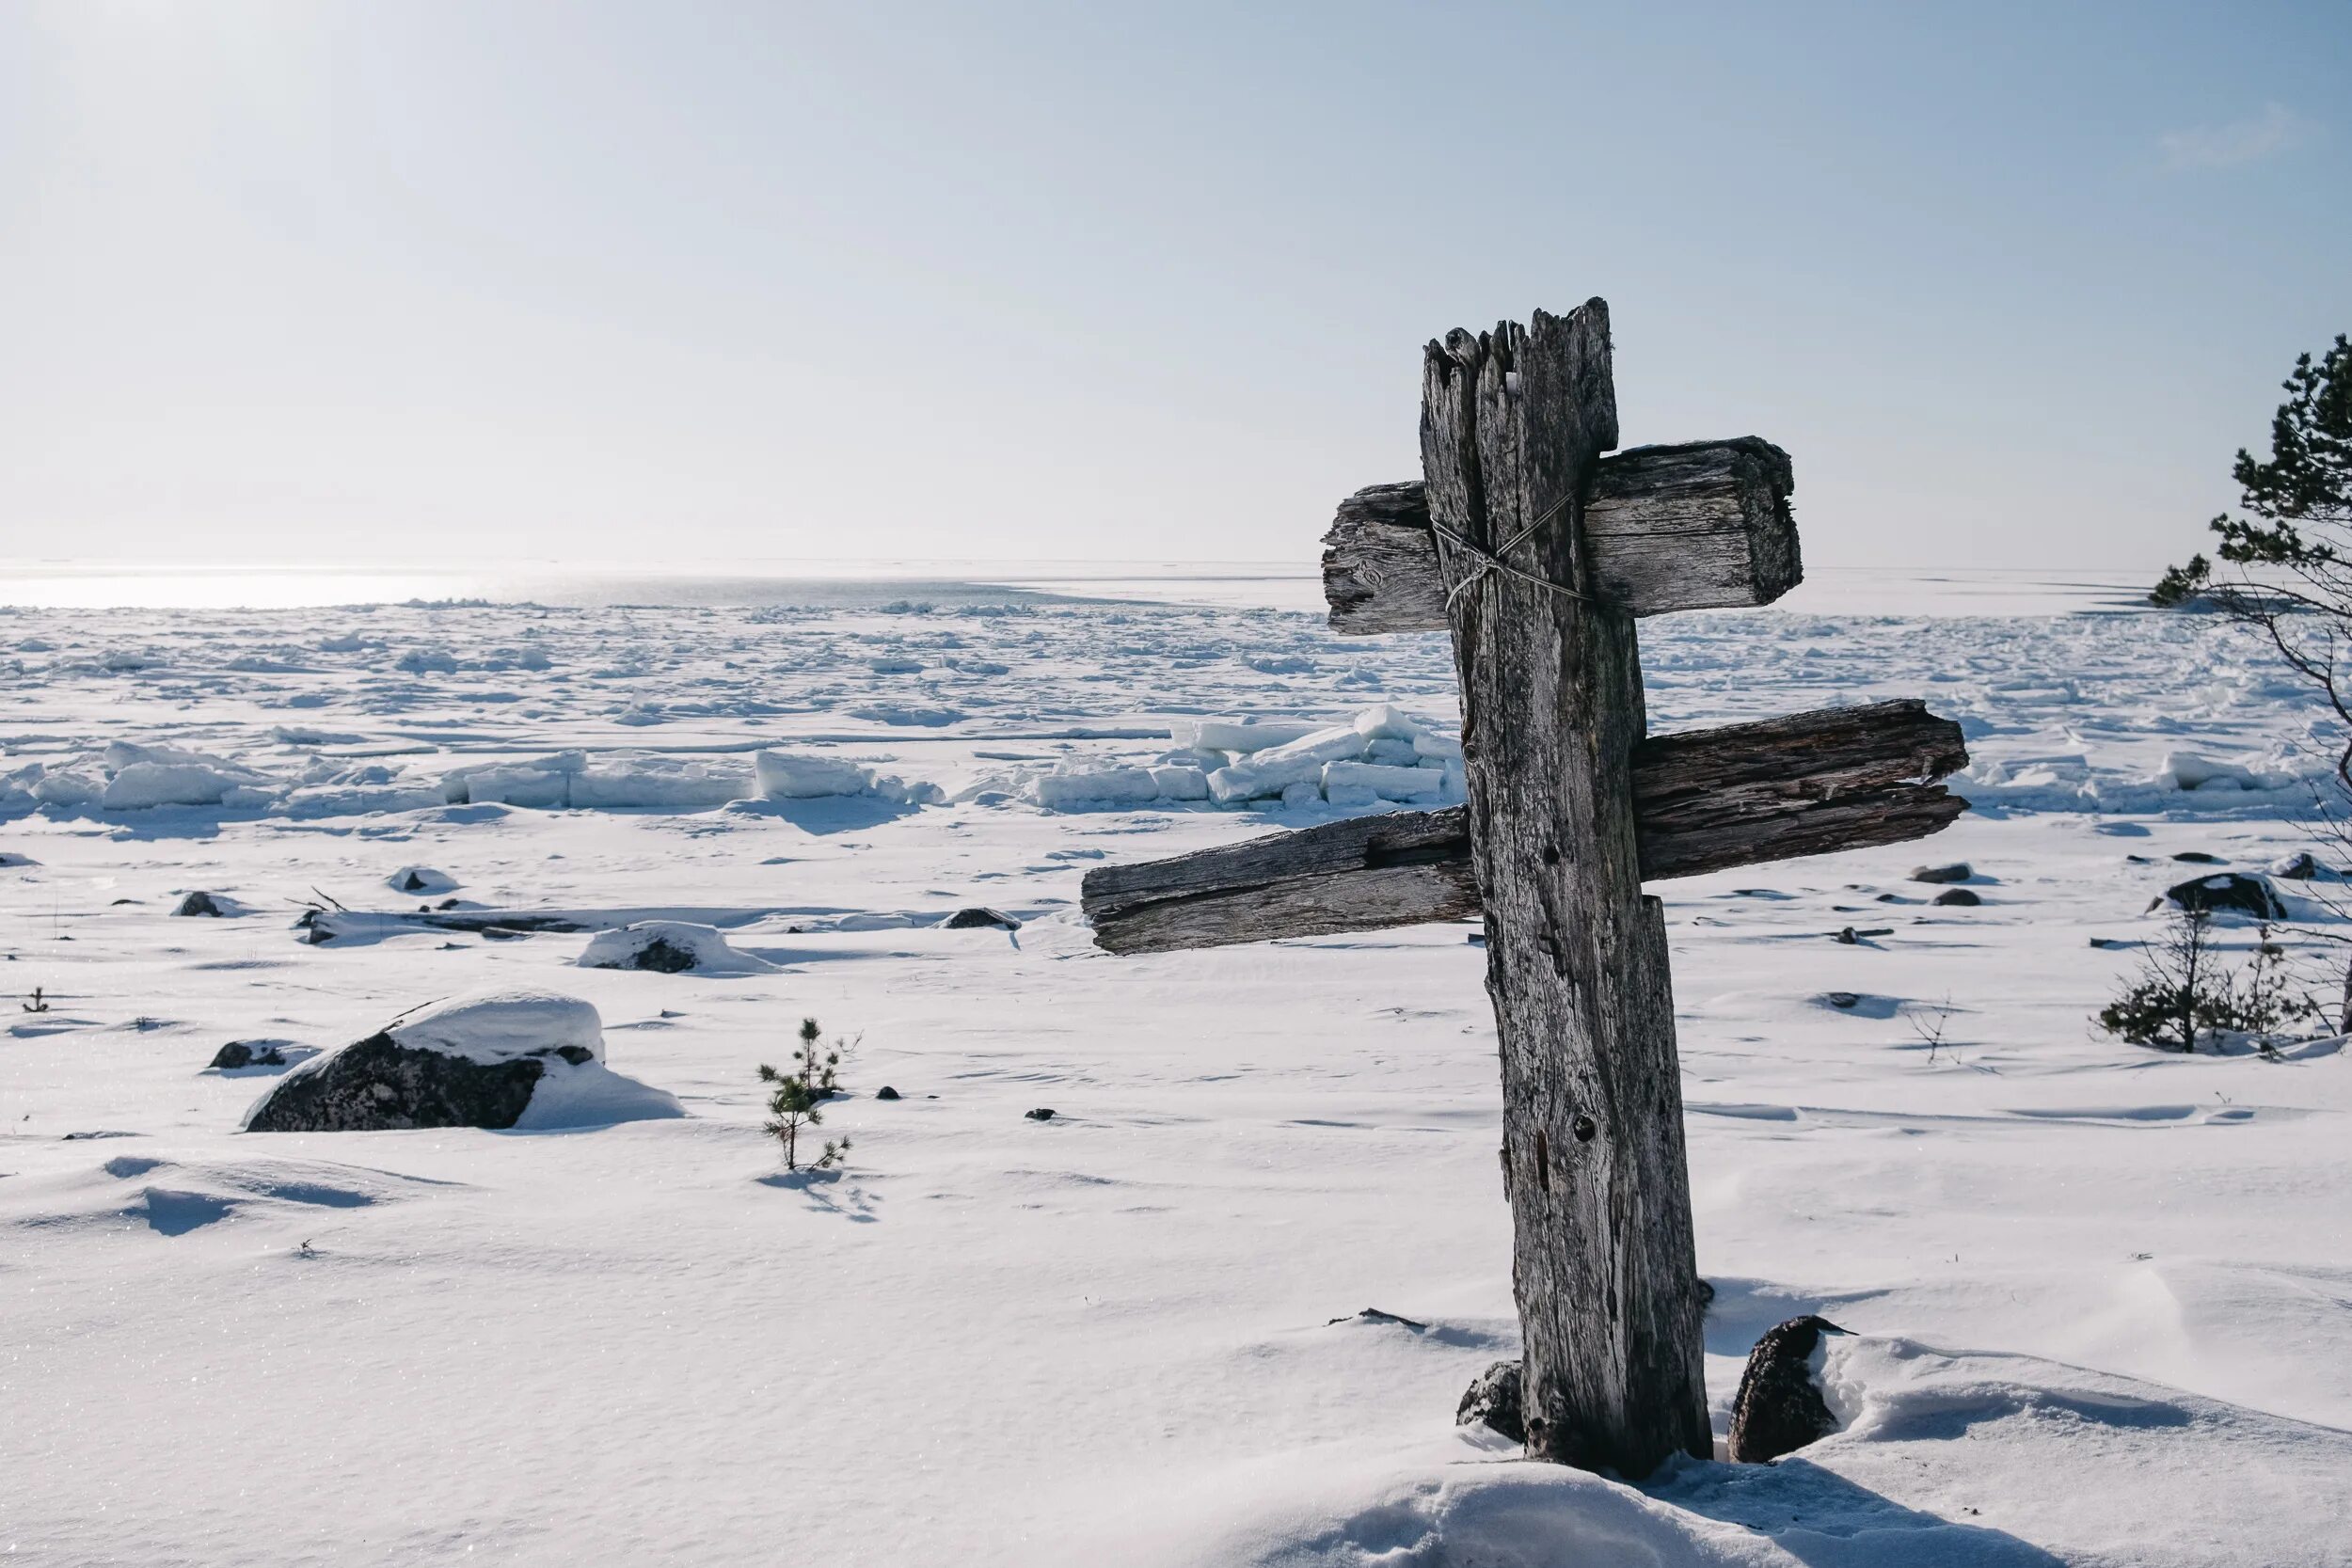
[1484,561]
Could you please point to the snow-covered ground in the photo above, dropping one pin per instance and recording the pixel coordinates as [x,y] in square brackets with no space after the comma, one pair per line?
[2102,1298]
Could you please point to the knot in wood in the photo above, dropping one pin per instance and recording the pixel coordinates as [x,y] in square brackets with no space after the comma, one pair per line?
[1584,1127]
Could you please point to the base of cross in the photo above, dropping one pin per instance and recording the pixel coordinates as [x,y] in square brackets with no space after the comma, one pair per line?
[1536,553]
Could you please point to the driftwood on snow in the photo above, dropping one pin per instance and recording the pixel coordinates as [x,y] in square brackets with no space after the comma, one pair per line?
[1712,800]
[1703,526]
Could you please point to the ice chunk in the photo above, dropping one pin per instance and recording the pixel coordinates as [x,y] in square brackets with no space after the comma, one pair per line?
[628,779]
[802,775]
[2187,770]
[361,799]
[146,784]
[125,753]
[522,785]
[68,787]
[1178,781]
[1302,794]
[1439,746]
[1095,785]
[1386,783]
[1275,769]
[1242,736]
[1388,724]
[907,792]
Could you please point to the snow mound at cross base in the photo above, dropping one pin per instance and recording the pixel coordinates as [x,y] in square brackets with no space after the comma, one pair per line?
[2090,1467]
[521,1058]
[670,947]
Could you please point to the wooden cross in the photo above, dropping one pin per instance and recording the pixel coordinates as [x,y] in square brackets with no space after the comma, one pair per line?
[1538,553]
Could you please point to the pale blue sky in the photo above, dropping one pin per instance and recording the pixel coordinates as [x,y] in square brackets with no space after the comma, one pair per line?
[417,281]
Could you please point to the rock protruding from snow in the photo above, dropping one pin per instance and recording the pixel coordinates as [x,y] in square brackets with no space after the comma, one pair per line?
[238,1054]
[2228,893]
[1780,1407]
[1958,896]
[199,903]
[522,1058]
[1958,871]
[2298,868]
[964,920]
[1493,1400]
[670,947]
[420,879]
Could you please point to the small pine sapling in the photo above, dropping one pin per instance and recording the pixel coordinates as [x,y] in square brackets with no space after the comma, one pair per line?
[2185,990]
[2170,1001]
[799,1089]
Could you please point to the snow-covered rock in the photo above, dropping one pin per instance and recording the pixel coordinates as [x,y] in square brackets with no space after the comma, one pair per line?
[520,1057]
[2226,892]
[421,880]
[669,947]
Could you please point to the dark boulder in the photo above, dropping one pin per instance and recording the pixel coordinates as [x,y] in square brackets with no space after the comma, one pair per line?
[1044,1113]
[2229,892]
[376,1084]
[886,1092]
[200,903]
[237,1053]
[1958,871]
[2298,868]
[964,920]
[1779,1408]
[2198,857]
[1958,897]
[661,957]
[1493,1400]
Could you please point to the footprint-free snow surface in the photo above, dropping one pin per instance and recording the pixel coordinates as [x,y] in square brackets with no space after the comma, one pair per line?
[2100,1298]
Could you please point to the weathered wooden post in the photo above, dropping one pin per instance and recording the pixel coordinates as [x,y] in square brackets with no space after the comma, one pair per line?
[1538,554]
[1511,422]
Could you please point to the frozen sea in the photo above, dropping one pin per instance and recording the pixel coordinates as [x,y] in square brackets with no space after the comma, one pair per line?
[2100,1298]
